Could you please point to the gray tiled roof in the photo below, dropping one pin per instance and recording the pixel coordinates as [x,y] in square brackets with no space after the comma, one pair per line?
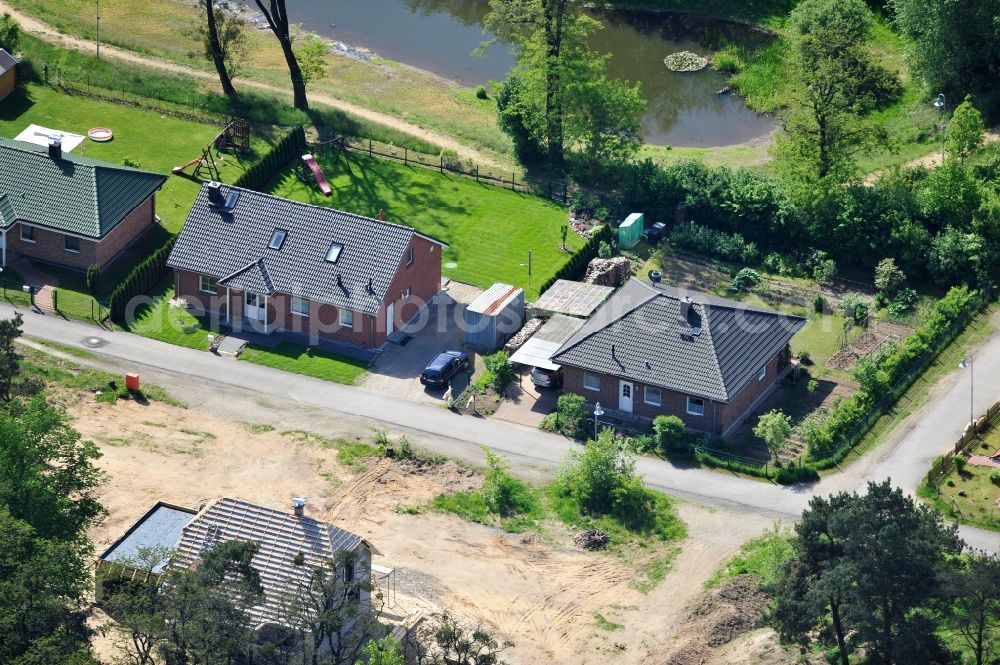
[234,248]
[279,536]
[73,194]
[7,61]
[640,334]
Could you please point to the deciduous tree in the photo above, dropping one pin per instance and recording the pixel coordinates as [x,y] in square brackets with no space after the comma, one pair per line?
[276,15]
[774,428]
[312,54]
[10,33]
[966,131]
[836,83]
[222,40]
[956,43]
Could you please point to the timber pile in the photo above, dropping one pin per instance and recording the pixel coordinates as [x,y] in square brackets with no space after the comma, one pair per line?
[592,539]
[609,272]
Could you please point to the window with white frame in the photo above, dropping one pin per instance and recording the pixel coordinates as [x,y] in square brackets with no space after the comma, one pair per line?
[409,256]
[696,406]
[27,233]
[71,244]
[762,373]
[653,396]
[207,284]
[406,293]
[591,381]
[300,306]
[346,318]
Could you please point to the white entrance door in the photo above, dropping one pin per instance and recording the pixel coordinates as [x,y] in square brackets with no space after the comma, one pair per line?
[625,396]
[254,309]
[390,318]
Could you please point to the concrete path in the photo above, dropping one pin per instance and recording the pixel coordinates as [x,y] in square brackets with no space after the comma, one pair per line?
[904,458]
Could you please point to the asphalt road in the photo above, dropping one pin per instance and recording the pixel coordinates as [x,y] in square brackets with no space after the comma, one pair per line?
[904,457]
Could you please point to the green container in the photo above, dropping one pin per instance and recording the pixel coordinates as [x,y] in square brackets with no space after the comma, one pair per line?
[631,230]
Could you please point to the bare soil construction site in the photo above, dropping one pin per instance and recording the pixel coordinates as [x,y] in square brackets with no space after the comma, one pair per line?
[555,601]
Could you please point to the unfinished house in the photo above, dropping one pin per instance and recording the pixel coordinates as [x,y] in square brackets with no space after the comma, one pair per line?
[291,547]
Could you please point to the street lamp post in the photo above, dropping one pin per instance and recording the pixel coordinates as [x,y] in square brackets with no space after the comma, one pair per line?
[967,364]
[939,104]
[598,412]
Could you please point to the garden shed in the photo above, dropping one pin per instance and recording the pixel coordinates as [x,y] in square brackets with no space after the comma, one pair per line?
[631,230]
[8,73]
[494,316]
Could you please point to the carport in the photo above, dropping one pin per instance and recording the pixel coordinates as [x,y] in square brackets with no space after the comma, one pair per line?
[540,347]
[526,404]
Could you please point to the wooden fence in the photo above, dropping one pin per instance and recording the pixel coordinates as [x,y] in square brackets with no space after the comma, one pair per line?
[945,464]
[557,190]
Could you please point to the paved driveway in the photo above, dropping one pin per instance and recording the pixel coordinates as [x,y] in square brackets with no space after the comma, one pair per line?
[397,369]
[525,403]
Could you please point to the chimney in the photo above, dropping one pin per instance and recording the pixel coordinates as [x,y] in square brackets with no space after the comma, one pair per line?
[685,303]
[55,147]
[299,506]
[215,196]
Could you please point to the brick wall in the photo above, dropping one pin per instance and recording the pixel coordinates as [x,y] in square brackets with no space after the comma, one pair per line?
[49,246]
[718,418]
[422,277]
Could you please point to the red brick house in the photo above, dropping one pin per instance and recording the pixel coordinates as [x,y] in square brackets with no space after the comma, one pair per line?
[265,264]
[68,210]
[654,350]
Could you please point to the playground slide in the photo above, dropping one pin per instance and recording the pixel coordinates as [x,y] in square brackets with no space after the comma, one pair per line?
[324,186]
[179,169]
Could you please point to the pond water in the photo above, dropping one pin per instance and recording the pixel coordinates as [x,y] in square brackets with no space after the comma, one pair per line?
[440,35]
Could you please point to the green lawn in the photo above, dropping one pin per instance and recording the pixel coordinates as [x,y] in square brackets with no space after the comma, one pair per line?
[977,503]
[170,324]
[156,142]
[489,230]
[317,363]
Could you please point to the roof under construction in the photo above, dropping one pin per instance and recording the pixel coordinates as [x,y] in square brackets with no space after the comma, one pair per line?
[573,298]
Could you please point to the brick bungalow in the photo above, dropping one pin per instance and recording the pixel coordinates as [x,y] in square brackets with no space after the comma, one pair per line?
[266,264]
[654,350]
[68,210]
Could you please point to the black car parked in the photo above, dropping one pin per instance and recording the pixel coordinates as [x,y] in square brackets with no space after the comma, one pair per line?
[444,366]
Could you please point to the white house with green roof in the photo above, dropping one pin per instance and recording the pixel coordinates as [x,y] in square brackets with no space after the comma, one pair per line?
[68,210]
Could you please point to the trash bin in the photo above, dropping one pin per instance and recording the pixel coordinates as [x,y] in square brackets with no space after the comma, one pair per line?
[132,382]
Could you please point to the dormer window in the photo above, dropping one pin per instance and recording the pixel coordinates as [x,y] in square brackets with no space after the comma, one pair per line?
[277,239]
[333,253]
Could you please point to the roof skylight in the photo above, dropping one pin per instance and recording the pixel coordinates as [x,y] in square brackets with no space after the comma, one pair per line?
[277,239]
[333,253]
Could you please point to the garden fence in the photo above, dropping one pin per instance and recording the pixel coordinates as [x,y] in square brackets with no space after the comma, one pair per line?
[556,190]
[896,392]
[945,464]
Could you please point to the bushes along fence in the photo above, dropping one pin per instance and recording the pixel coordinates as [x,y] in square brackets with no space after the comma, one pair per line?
[577,265]
[289,148]
[143,277]
[831,440]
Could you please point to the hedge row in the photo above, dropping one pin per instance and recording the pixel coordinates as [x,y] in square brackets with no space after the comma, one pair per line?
[143,277]
[831,440]
[784,475]
[576,267]
[287,150]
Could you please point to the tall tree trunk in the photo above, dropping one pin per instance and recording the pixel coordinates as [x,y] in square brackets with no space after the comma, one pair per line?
[277,20]
[554,13]
[886,632]
[838,629]
[216,48]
